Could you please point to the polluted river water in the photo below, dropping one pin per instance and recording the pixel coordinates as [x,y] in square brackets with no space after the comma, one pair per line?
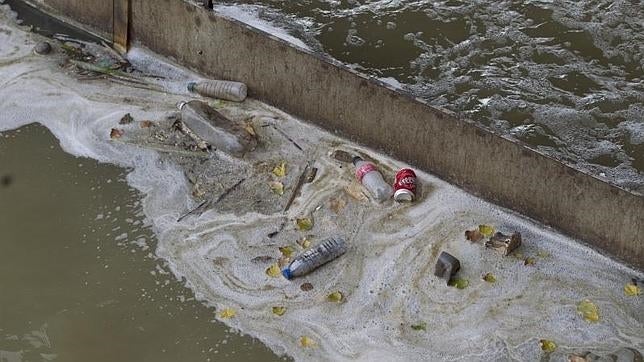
[564,77]
[391,306]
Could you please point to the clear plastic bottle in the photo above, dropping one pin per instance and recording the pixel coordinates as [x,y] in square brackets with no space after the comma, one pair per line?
[217,130]
[372,180]
[222,89]
[318,255]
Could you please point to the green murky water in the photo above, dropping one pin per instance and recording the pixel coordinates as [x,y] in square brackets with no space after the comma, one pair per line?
[78,281]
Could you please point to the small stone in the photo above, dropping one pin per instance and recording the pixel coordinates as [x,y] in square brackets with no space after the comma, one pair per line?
[42,48]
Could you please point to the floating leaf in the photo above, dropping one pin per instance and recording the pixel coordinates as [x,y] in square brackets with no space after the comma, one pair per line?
[632,289]
[547,346]
[273,271]
[529,261]
[277,187]
[127,119]
[458,283]
[250,129]
[486,230]
[116,133]
[283,261]
[473,235]
[304,224]
[307,342]
[335,297]
[337,204]
[489,277]
[306,287]
[421,326]
[304,242]
[588,310]
[287,251]
[146,124]
[280,170]
[227,313]
[279,311]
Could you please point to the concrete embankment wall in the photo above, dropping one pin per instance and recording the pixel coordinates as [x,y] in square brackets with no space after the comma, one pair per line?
[329,94]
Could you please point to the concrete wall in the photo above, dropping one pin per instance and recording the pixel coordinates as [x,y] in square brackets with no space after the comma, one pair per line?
[365,110]
[97,14]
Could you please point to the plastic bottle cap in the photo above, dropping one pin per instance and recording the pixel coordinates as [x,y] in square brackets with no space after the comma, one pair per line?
[191,86]
[286,272]
[356,159]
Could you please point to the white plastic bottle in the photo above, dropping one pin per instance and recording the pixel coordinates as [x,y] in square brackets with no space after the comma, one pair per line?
[316,256]
[372,180]
[222,89]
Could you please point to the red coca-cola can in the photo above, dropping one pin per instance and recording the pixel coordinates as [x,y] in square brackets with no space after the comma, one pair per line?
[405,185]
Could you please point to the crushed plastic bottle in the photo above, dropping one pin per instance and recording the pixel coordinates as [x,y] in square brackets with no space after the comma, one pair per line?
[372,180]
[217,130]
[318,255]
[222,89]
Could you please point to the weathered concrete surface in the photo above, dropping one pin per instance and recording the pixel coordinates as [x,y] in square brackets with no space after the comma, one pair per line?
[97,14]
[367,111]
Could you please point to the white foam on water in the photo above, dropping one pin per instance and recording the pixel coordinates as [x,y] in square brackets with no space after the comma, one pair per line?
[250,15]
[386,276]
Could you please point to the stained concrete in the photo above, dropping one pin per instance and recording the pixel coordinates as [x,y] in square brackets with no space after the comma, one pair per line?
[368,111]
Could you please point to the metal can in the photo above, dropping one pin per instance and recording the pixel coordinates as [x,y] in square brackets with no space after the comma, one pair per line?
[405,185]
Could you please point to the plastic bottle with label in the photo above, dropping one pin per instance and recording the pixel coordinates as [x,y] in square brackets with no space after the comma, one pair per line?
[372,180]
[222,89]
[318,255]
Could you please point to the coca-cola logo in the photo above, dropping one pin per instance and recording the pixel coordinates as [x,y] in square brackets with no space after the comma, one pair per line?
[407,181]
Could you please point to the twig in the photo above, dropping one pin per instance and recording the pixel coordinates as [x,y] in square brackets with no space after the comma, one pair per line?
[183,128]
[287,137]
[114,52]
[298,186]
[208,202]
[162,148]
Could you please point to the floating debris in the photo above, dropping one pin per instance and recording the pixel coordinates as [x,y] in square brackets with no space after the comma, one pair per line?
[446,266]
[42,48]
[287,251]
[304,224]
[279,311]
[311,174]
[504,243]
[458,283]
[530,261]
[631,289]
[227,313]
[342,156]
[336,297]
[280,170]
[126,119]
[489,277]
[421,326]
[306,287]
[473,235]
[304,242]
[277,187]
[273,271]
[547,345]
[146,124]
[307,342]
[262,259]
[588,310]
[116,133]
[486,230]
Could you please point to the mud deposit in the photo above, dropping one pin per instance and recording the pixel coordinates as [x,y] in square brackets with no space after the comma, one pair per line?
[385,277]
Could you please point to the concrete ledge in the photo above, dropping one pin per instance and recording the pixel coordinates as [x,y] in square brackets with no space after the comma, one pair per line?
[370,112]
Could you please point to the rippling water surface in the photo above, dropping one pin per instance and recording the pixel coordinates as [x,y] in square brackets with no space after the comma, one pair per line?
[565,77]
